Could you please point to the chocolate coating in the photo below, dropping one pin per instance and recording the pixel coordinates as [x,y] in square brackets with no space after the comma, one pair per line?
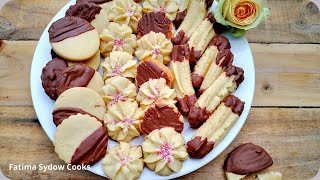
[67,27]
[154,21]
[196,80]
[180,38]
[234,103]
[159,116]
[224,57]
[85,10]
[198,149]
[179,18]
[211,18]
[221,42]
[197,116]
[180,52]
[150,70]
[209,4]
[50,74]
[92,149]
[194,56]
[247,158]
[74,76]
[94,1]
[237,72]
[184,104]
[61,114]
[55,55]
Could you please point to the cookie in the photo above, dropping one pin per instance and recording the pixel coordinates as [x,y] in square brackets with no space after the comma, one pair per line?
[104,4]
[182,83]
[155,91]
[195,14]
[118,89]
[123,121]
[156,22]
[123,161]
[154,45]
[117,38]
[216,127]
[159,116]
[90,12]
[245,159]
[273,175]
[72,102]
[68,31]
[93,62]
[119,64]
[152,69]
[170,7]
[181,13]
[78,76]
[223,86]
[164,151]
[49,76]
[216,57]
[126,12]
[80,139]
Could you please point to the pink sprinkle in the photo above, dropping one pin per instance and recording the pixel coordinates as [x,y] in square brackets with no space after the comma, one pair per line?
[166,152]
[124,159]
[156,52]
[130,12]
[126,121]
[119,97]
[118,42]
[117,71]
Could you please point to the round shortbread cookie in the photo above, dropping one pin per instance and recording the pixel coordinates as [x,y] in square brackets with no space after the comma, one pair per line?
[74,38]
[93,62]
[78,100]
[80,139]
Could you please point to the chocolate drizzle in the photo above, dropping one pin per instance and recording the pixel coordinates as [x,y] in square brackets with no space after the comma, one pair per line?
[85,10]
[179,18]
[234,103]
[198,149]
[221,42]
[159,116]
[74,76]
[196,80]
[184,104]
[67,27]
[180,38]
[197,116]
[94,1]
[150,70]
[180,52]
[247,158]
[61,114]
[92,149]
[50,74]
[156,22]
[237,72]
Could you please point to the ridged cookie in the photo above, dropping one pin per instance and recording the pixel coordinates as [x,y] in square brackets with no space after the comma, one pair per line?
[170,7]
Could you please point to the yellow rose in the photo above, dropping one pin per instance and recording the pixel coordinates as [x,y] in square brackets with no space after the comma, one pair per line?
[241,14]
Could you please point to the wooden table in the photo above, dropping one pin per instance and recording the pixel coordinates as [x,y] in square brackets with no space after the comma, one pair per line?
[284,119]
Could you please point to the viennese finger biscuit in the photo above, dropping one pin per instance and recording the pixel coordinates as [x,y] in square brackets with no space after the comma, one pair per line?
[90,12]
[223,86]
[182,11]
[74,38]
[215,58]
[164,151]
[72,102]
[155,91]
[180,68]
[170,7]
[196,13]
[123,121]
[80,139]
[152,69]
[123,161]
[216,127]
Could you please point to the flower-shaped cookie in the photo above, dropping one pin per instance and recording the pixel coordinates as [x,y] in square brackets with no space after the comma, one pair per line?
[126,12]
[155,91]
[119,64]
[170,7]
[154,45]
[123,121]
[164,151]
[123,162]
[118,89]
[117,38]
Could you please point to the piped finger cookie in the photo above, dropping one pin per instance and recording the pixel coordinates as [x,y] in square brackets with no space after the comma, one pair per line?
[182,11]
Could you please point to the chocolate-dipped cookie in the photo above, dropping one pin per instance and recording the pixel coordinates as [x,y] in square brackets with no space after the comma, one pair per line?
[73,38]
[90,12]
[80,139]
[181,13]
[152,69]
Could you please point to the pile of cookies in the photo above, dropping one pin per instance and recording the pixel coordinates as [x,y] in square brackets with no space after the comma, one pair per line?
[162,61]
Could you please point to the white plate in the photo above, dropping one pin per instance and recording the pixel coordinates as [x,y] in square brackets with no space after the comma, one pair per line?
[44,105]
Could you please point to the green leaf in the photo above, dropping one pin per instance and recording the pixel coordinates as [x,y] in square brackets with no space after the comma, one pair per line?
[237,32]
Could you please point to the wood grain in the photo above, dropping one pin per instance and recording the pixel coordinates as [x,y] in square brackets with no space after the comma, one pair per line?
[295,150]
[286,75]
[291,21]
